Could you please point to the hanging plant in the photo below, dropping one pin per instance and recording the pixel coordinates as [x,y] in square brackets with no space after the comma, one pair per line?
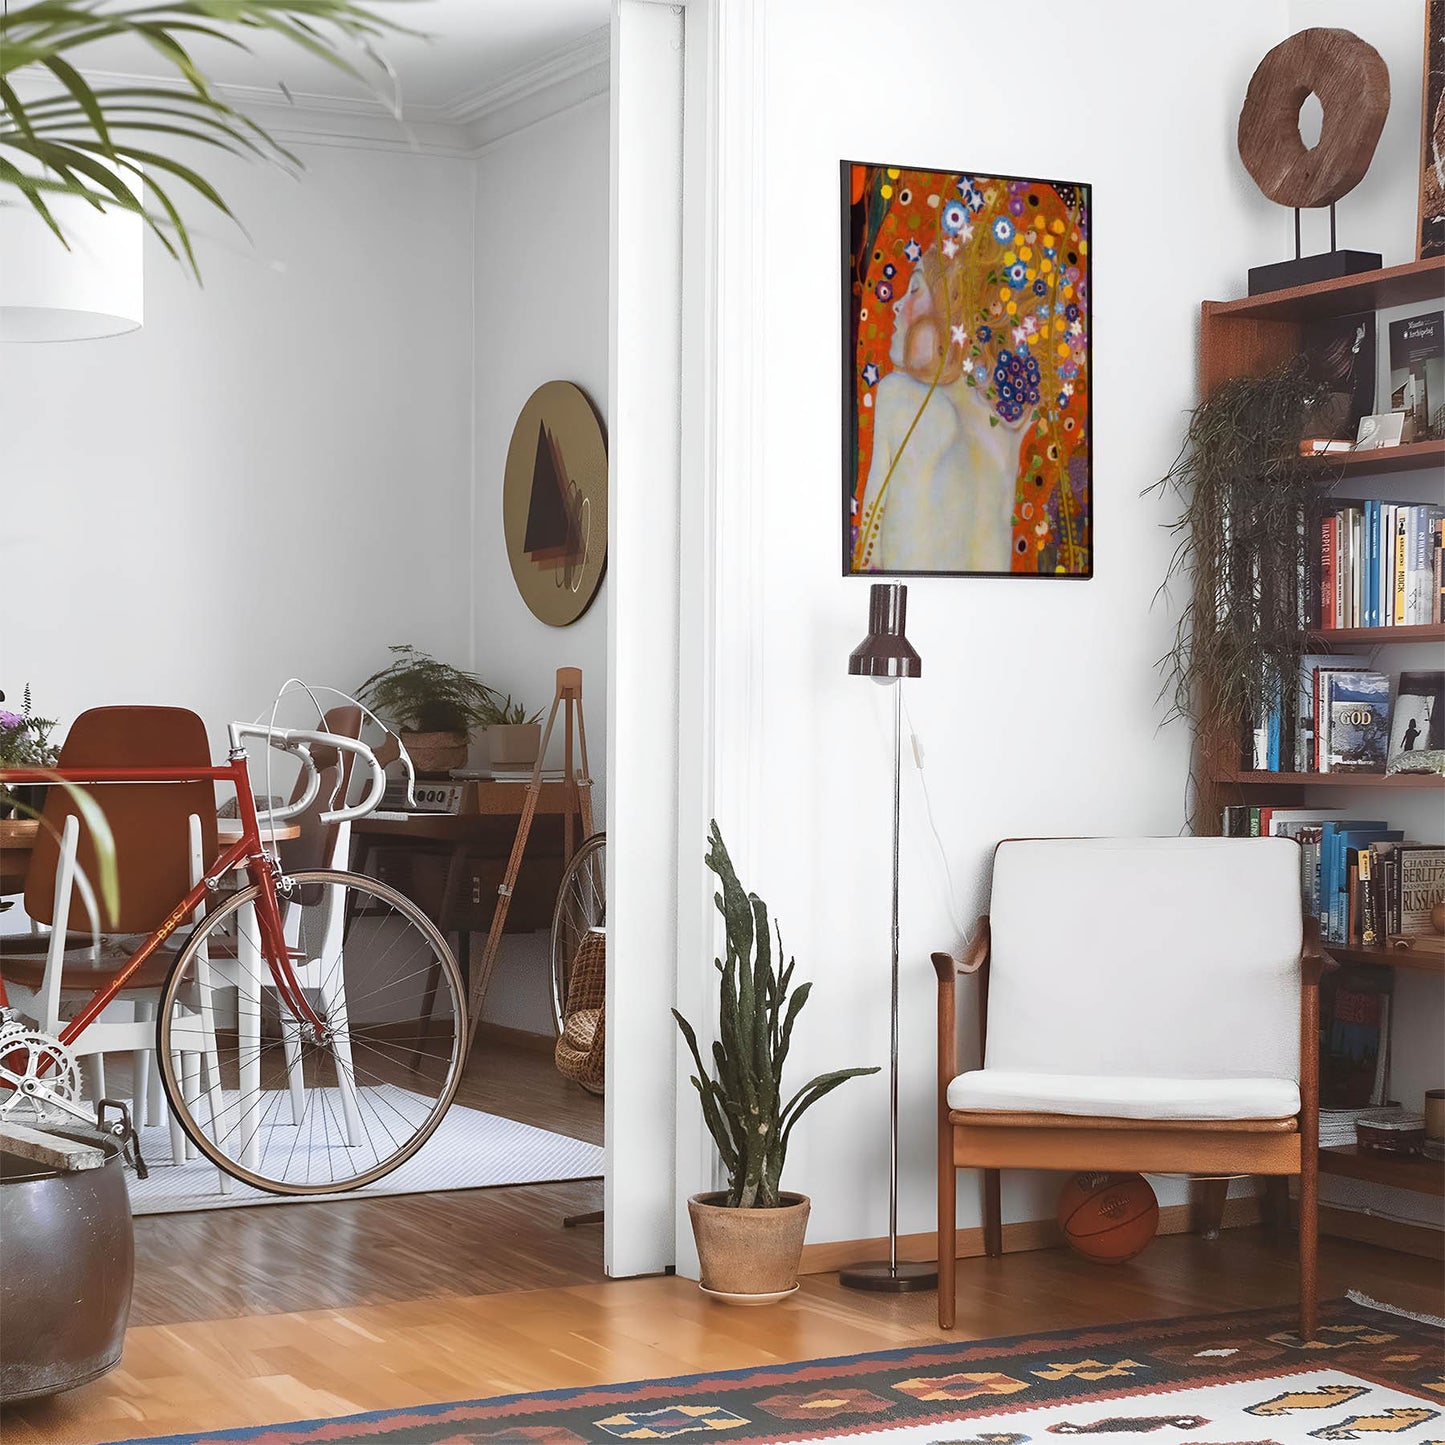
[1247,493]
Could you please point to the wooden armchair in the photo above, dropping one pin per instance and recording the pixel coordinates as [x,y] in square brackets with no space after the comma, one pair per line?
[1145,1004]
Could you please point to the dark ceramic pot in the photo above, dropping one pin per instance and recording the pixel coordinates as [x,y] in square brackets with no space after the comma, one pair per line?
[67,1260]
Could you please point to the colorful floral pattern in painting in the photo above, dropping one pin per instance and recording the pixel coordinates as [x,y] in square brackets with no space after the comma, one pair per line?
[967,437]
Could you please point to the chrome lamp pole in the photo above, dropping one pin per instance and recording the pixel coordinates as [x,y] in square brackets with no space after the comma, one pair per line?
[887,657]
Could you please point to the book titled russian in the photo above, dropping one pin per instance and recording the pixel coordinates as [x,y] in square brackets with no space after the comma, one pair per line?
[1357,713]
[1421,881]
[1417,369]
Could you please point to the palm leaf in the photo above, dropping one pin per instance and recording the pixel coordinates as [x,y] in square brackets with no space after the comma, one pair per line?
[66,135]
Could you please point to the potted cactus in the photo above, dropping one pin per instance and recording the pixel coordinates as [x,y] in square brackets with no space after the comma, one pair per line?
[750,1236]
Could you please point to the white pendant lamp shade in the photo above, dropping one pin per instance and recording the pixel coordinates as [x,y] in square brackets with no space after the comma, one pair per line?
[48,293]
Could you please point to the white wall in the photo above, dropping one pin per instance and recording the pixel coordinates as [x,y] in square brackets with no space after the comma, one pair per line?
[1037,707]
[541,277]
[303,420]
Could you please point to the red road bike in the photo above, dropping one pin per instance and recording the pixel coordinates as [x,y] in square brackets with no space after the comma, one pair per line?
[311,1028]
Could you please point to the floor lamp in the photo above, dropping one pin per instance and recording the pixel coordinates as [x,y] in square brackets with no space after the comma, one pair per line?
[886,656]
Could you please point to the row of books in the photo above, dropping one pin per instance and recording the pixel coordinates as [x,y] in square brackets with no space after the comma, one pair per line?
[1379,565]
[1355,1018]
[1362,879]
[1347,718]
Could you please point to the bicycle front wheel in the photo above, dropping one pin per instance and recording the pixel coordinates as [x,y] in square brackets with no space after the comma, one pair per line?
[581,905]
[273,1100]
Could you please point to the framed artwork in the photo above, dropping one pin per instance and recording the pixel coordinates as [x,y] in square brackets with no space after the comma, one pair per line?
[967,443]
[554,503]
[1432,134]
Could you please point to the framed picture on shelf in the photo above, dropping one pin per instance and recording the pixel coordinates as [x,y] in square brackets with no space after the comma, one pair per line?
[1432,134]
[967,446]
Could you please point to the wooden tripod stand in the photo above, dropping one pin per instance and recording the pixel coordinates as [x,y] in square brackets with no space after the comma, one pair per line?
[577,780]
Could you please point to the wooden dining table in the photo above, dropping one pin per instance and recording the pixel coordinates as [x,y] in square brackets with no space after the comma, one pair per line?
[18,835]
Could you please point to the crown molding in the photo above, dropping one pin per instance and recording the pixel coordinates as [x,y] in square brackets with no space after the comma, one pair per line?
[567,77]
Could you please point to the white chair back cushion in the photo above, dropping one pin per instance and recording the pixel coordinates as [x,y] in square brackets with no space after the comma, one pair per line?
[1162,957]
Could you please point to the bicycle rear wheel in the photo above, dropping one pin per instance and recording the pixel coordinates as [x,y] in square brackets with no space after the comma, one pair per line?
[581,905]
[276,1103]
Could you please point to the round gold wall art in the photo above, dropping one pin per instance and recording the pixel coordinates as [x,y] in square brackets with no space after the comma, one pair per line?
[554,503]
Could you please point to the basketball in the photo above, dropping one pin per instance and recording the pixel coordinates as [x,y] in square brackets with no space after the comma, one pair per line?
[1108,1217]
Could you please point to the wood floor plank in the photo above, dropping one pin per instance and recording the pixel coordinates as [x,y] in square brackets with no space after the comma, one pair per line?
[258,1370]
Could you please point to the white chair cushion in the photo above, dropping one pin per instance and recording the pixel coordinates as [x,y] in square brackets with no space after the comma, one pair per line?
[1116,1097]
[1149,957]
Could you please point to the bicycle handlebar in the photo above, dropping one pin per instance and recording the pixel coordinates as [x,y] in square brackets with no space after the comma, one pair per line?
[299,742]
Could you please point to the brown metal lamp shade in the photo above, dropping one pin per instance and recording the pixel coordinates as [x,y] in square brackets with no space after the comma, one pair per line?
[886,653]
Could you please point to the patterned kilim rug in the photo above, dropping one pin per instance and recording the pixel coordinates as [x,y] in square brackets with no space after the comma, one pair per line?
[1238,1379]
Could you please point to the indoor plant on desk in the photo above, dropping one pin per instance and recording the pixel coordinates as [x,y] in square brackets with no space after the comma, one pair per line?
[433,703]
[513,738]
[750,1236]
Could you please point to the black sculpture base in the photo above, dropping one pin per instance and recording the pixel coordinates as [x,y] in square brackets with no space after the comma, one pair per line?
[1306,270]
[881,1278]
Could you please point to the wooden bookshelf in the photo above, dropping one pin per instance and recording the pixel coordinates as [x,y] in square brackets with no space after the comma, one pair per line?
[1365,291]
[1400,1171]
[1248,779]
[1377,636]
[1420,962]
[1380,461]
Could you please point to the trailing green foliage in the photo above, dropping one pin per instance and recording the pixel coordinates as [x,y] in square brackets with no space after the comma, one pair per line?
[96,141]
[1242,539]
[742,1104]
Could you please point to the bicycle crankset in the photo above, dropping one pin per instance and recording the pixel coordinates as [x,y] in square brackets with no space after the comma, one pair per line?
[36,1071]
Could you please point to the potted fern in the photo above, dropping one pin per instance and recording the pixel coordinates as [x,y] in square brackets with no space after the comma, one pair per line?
[750,1235]
[434,704]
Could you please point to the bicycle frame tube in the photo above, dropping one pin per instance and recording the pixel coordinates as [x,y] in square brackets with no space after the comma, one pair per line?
[247,849]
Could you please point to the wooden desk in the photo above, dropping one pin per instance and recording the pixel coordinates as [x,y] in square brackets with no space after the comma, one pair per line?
[451,864]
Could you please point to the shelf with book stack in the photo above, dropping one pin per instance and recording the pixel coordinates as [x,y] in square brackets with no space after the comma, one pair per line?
[1253,336]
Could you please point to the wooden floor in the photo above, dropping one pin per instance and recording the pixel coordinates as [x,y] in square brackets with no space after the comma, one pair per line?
[256,1316]
[225,1263]
[266,1369]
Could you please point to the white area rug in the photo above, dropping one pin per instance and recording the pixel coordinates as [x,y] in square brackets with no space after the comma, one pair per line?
[470,1150]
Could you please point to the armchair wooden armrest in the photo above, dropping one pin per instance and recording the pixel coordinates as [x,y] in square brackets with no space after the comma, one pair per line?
[1313,960]
[975,957]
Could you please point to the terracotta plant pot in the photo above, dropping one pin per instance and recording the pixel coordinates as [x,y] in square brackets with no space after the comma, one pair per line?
[513,745]
[749,1256]
[434,755]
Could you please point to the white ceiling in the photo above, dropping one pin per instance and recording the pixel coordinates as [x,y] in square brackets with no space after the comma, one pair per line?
[470,47]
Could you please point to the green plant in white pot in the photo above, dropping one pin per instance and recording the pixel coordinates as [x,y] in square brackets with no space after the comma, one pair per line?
[750,1236]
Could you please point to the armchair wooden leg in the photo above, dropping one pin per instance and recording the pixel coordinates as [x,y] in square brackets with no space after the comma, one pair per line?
[1206,1197]
[1276,1205]
[992,1214]
[1308,1244]
[947,1217]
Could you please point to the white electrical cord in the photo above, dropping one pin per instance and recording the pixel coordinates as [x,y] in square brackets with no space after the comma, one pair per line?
[916,749]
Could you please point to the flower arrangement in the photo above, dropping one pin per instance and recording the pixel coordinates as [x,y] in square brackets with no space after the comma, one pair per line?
[25,738]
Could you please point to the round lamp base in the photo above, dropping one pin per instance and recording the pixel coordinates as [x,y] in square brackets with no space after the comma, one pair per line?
[882,1278]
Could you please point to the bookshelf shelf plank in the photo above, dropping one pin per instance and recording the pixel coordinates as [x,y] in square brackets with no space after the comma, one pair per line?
[1331,780]
[1365,291]
[1409,457]
[1421,962]
[1375,636]
[1414,1172]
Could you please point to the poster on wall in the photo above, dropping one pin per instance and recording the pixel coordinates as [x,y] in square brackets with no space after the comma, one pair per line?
[966,360]
[1432,139]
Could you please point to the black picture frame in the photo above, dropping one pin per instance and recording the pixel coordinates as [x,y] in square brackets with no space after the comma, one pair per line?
[980,281]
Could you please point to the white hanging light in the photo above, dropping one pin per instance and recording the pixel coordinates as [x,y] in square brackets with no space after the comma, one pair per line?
[94,289]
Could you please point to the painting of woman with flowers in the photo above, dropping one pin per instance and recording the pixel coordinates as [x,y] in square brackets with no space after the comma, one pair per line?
[966,356]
